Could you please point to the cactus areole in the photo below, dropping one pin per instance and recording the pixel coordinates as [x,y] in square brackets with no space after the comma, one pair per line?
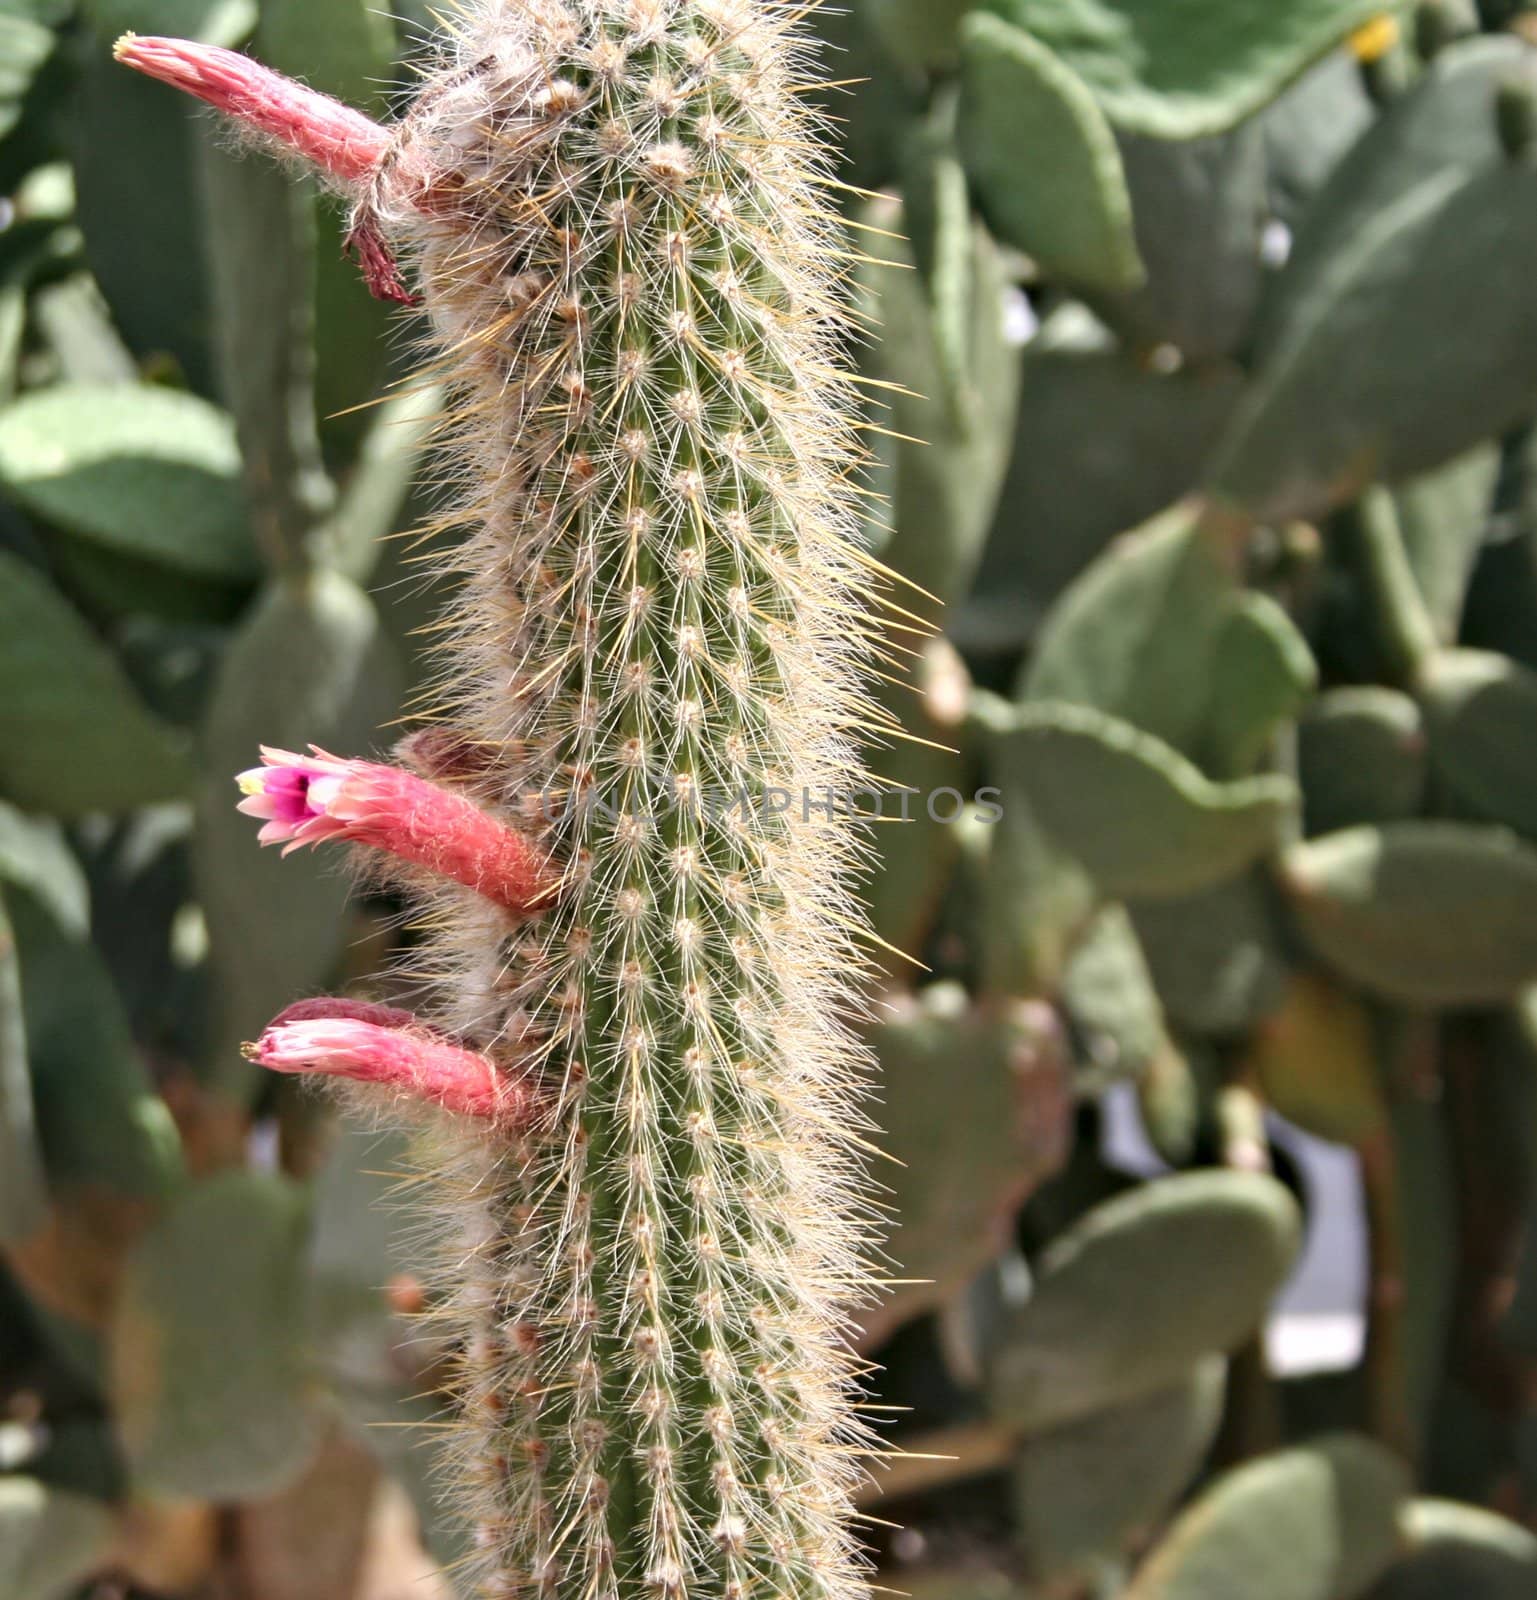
[614,213]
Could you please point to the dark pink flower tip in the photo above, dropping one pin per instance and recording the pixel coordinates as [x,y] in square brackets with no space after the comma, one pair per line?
[332,1007]
[337,139]
[335,1041]
[306,799]
[445,752]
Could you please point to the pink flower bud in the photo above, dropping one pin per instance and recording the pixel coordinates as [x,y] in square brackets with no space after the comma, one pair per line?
[371,1044]
[306,799]
[337,139]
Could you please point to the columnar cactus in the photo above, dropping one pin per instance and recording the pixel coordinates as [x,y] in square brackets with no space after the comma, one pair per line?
[650,669]
[1218,323]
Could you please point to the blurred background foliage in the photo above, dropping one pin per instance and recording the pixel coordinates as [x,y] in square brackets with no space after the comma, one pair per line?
[1223,316]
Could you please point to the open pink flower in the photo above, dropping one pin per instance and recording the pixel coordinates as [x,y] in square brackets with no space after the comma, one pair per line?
[379,1045]
[307,799]
[291,794]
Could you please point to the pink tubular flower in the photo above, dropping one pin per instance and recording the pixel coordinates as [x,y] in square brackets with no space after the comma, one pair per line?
[378,1045]
[337,139]
[306,799]
[331,136]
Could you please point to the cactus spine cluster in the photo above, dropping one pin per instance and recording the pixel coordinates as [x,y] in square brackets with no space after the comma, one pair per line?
[616,212]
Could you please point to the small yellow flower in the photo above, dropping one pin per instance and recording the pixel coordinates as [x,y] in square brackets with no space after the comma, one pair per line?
[1372,40]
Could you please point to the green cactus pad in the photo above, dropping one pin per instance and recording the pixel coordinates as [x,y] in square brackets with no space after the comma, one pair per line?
[1140,1288]
[143,471]
[358,1244]
[962,1583]
[1309,130]
[1141,818]
[1462,1551]
[353,366]
[23,1198]
[1139,632]
[919,33]
[1082,1491]
[1264,675]
[375,504]
[74,735]
[137,205]
[1074,215]
[1177,72]
[1481,710]
[943,491]
[1317,1523]
[99,1120]
[35,855]
[1444,519]
[1362,757]
[918,854]
[260,239]
[1432,914]
[221,22]
[886,97]
[1035,902]
[1108,991]
[50,1540]
[1426,1204]
[209,1383]
[25,47]
[1438,23]
[1199,207]
[1347,390]
[344,48]
[1218,958]
[937,210]
[1175,1098]
[1101,444]
[942,497]
[1443,126]
[974,1107]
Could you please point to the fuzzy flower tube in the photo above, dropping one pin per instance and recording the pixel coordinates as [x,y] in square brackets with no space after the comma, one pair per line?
[644,943]
[303,800]
[386,1048]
